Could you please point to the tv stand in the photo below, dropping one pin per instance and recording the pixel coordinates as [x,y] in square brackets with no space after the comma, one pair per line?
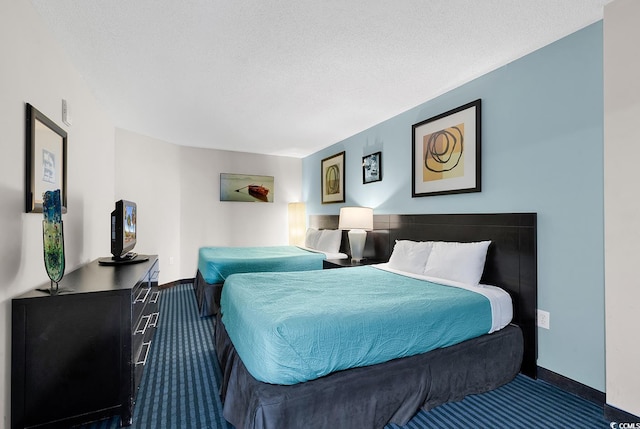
[135,259]
[79,357]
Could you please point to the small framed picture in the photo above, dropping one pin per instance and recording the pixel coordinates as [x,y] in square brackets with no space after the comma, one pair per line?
[332,178]
[372,168]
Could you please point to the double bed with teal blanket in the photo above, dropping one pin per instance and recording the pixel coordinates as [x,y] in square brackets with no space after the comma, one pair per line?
[215,264]
[371,345]
[357,347]
[289,328]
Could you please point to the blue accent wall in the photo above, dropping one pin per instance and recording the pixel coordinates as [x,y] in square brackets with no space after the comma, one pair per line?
[542,151]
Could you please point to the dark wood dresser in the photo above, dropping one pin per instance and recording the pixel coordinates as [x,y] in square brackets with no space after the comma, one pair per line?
[79,356]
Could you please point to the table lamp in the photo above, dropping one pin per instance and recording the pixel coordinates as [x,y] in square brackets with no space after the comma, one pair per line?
[358,220]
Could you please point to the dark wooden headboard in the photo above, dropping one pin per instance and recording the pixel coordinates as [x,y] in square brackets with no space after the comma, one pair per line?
[511,259]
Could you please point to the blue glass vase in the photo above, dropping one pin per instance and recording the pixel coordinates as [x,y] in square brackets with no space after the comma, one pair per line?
[53,237]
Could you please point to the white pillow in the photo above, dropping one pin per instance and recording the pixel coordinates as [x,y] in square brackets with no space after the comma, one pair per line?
[311,238]
[329,240]
[410,256]
[460,262]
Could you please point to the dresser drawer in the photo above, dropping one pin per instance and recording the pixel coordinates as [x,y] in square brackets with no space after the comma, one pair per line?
[142,340]
[145,293]
[144,297]
[148,318]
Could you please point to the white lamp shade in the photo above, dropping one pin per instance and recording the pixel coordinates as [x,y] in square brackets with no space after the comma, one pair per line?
[297,223]
[356,218]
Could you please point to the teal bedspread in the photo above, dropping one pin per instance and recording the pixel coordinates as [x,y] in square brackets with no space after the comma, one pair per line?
[293,327]
[217,263]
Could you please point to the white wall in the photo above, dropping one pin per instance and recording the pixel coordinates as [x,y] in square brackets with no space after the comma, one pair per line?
[177,190]
[34,69]
[622,203]
[207,221]
[148,173]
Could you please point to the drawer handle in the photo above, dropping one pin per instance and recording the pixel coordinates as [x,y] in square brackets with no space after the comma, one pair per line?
[142,329]
[154,297]
[154,276]
[153,320]
[144,349]
[141,298]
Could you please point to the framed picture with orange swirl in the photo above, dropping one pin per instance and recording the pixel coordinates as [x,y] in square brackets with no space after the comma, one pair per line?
[332,174]
[446,152]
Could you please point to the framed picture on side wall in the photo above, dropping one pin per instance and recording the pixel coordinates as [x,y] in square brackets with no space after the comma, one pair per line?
[332,178]
[46,160]
[446,153]
[246,188]
[372,168]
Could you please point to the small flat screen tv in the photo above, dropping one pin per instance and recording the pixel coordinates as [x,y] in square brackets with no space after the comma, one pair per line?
[123,229]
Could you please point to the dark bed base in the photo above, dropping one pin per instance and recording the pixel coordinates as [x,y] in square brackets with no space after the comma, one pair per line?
[207,296]
[368,397]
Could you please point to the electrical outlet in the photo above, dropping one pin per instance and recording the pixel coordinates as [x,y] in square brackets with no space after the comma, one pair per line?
[171,260]
[543,319]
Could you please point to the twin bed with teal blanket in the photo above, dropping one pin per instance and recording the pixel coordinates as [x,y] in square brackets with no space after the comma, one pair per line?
[218,263]
[215,264]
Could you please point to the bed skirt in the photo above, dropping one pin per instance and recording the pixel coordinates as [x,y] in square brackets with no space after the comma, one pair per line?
[207,296]
[368,397]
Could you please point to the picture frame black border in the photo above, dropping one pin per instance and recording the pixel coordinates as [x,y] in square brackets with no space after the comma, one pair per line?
[33,115]
[379,155]
[477,104]
[342,178]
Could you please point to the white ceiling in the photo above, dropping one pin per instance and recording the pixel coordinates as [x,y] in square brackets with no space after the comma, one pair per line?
[290,77]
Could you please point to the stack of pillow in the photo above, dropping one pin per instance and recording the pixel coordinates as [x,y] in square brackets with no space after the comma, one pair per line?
[324,240]
[459,262]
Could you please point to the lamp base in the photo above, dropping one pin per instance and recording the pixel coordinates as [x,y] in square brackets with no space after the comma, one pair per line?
[357,238]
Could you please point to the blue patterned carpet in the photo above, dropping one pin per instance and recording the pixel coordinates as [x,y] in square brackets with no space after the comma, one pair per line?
[179,388]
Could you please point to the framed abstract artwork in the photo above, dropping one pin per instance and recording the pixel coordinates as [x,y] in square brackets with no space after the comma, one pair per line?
[446,153]
[46,160]
[332,178]
[372,168]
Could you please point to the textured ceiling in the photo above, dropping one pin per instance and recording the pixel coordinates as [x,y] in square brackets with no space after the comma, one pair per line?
[290,77]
